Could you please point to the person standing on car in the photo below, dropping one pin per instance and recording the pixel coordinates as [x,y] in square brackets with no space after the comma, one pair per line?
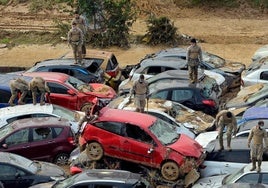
[226,119]
[81,24]
[18,85]
[76,39]
[193,58]
[38,85]
[258,134]
[140,91]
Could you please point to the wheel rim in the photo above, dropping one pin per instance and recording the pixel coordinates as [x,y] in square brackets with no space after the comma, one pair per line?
[170,171]
[94,151]
[62,159]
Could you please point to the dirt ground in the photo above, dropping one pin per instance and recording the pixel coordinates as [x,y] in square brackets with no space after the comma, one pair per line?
[232,34]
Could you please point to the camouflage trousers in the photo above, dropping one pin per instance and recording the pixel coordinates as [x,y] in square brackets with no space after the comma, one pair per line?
[77,51]
[228,134]
[140,101]
[193,70]
[256,151]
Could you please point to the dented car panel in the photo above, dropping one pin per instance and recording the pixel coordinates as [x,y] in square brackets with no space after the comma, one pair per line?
[184,116]
[142,139]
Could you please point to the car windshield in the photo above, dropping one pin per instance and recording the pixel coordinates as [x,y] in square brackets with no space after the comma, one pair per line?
[258,95]
[65,183]
[5,131]
[231,177]
[64,112]
[165,132]
[78,84]
[24,163]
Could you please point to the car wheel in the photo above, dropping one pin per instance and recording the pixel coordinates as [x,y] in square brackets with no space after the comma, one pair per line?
[94,151]
[170,171]
[86,107]
[61,159]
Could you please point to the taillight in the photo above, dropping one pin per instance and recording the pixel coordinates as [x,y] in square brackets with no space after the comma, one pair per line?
[209,102]
[71,140]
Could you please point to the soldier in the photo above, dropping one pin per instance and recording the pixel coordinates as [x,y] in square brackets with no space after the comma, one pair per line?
[18,85]
[140,90]
[258,134]
[76,39]
[81,24]
[193,58]
[227,119]
[38,84]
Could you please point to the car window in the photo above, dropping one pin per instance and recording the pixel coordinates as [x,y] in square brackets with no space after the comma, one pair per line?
[104,186]
[19,117]
[112,63]
[57,88]
[164,118]
[264,75]
[114,127]
[160,95]
[4,96]
[240,156]
[7,170]
[182,95]
[264,179]
[18,137]
[248,178]
[57,131]
[62,70]
[137,133]
[42,133]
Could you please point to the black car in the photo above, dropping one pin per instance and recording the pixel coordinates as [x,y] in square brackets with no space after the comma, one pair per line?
[190,95]
[101,178]
[91,74]
[19,172]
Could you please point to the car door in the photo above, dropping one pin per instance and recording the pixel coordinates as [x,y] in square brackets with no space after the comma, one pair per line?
[59,94]
[137,145]
[12,176]
[18,143]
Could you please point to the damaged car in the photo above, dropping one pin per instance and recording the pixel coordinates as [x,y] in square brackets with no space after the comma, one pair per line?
[71,93]
[142,139]
[174,113]
[230,70]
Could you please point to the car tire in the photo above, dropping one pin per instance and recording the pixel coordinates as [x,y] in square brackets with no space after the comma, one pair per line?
[94,151]
[170,171]
[61,159]
[86,107]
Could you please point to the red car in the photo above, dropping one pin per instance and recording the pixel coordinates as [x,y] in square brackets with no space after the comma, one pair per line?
[142,139]
[47,138]
[72,93]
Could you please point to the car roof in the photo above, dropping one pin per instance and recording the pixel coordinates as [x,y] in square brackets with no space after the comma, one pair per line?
[38,122]
[5,78]
[255,112]
[58,62]
[11,158]
[264,167]
[175,84]
[49,76]
[118,176]
[167,62]
[109,114]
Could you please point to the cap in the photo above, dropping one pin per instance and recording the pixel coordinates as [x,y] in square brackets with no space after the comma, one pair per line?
[193,40]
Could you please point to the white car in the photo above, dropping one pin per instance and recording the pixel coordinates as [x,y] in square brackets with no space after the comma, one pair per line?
[256,73]
[174,113]
[260,53]
[243,175]
[10,114]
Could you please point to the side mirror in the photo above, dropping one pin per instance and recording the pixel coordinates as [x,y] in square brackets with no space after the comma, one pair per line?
[71,92]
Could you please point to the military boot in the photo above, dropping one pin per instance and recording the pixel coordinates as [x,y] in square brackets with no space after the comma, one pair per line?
[221,145]
[42,98]
[11,100]
[253,165]
[23,95]
[259,166]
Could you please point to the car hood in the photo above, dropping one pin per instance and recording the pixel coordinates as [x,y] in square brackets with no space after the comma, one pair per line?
[51,169]
[102,91]
[209,182]
[187,146]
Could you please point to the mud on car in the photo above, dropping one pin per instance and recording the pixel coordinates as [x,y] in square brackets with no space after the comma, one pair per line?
[142,139]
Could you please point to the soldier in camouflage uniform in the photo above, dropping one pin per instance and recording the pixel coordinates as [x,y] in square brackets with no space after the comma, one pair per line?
[18,85]
[81,24]
[38,85]
[76,39]
[258,134]
[140,90]
[227,119]
[193,58]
